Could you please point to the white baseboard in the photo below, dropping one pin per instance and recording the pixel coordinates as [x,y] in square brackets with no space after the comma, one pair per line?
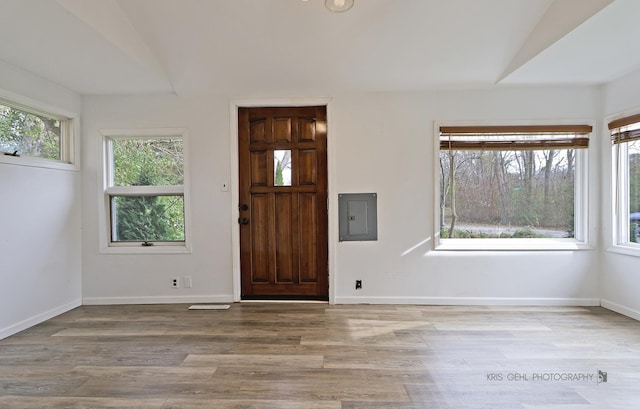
[181,299]
[37,319]
[582,302]
[620,309]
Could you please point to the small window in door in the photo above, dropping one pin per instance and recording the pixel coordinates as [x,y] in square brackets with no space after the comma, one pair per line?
[282,168]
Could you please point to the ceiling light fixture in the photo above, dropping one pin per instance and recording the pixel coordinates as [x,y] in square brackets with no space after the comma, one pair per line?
[338,6]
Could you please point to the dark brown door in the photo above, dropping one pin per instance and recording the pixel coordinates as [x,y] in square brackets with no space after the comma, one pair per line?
[283,202]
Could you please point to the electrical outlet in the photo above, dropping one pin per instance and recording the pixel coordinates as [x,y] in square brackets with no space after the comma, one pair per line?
[358,284]
[175,282]
[186,280]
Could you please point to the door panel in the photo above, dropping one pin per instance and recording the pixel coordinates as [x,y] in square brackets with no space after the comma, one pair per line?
[259,168]
[283,181]
[258,131]
[307,167]
[260,233]
[284,251]
[308,250]
[307,130]
[282,129]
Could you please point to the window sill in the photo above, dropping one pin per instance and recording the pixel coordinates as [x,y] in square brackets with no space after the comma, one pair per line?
[511,245]
[37,162]
[146,250]
[626,250]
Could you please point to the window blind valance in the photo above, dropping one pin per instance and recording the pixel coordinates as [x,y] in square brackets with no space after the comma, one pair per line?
[625,129]
[526,137]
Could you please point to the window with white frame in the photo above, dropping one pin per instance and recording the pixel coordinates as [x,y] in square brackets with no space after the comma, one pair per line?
[145,188]
[27,132]
[625,138]
[512,182]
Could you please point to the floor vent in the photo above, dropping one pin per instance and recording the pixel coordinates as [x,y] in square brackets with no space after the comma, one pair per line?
[210,307]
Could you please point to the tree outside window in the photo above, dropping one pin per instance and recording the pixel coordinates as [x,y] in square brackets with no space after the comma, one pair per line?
[509,182]
[146,189]
[24,133]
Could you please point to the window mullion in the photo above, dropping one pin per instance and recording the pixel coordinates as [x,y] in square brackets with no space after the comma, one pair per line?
[109,169]
[623,193]
[580,196]
[145,190]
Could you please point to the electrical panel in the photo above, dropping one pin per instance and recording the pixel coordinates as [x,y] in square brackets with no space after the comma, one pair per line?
[358,216]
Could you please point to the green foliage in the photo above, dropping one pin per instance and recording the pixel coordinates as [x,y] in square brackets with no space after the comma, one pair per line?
[148,162]
[634,180]
[279,179]
[149,218]
[29,134]
[465,234]
[634,188]
[525,233]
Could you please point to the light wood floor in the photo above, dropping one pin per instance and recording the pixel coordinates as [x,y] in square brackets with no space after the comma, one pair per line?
[317,356]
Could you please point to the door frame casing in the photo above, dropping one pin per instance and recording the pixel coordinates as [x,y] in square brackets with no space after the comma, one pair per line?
[234,104]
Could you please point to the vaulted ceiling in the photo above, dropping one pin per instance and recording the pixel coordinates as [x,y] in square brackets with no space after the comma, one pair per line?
[240,47]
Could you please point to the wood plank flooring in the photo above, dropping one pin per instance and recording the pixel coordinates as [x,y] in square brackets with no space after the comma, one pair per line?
[318,356]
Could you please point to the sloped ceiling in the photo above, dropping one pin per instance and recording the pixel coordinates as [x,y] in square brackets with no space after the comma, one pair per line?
[257,47]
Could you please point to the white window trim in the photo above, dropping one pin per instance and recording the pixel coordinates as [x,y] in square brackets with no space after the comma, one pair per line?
[581,214]
[106,176]
[68,141]
[619,240]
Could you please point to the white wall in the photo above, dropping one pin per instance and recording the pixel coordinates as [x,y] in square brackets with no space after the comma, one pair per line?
[385,145]
[40,245]
[366,130]
[117,278]
[620,277]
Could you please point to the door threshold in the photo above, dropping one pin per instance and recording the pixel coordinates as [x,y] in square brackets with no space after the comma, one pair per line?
[284,301]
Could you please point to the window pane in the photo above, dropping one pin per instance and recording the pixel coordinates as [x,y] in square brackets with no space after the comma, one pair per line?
[282,168]
[148,162]
[29,134]
[633,152]
[147,218]
[507,194]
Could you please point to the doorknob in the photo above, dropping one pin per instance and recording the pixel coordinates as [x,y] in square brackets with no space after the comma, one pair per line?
[243,207]
[244,220]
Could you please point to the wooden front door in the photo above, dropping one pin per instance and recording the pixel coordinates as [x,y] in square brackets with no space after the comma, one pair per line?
[283,202]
